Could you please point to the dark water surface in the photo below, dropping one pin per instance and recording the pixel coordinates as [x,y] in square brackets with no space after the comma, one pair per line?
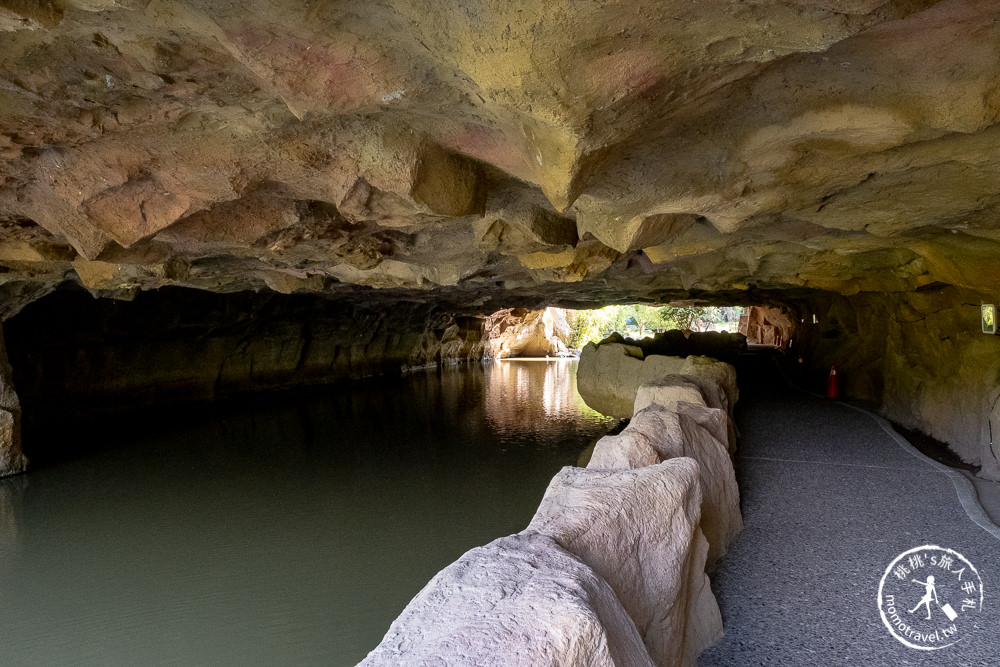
[285,530]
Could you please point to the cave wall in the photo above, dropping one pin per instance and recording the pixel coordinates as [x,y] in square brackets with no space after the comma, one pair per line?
[521,332]
[11,458]
[768,325]
[78,354]
[920,357]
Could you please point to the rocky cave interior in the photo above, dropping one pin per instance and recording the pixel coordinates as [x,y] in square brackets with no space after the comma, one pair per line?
[200,199]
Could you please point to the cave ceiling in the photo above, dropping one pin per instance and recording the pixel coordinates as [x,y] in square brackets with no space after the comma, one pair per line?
[488,152]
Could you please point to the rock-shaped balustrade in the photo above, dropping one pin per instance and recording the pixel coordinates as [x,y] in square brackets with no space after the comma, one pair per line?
[610,374]
[612,568]
[658,433]
[519,600]
[640,530]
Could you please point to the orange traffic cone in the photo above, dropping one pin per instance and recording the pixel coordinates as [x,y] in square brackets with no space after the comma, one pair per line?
[831,383]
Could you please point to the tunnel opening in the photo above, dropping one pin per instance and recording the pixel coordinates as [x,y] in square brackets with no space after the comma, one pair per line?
[112,381]
[917,358]
[78,360]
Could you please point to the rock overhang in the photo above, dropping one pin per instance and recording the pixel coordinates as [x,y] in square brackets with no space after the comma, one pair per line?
[490,155]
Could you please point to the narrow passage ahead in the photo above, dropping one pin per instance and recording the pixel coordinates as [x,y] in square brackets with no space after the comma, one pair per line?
[830,498]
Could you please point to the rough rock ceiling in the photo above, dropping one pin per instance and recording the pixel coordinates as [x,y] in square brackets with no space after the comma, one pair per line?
[490,151]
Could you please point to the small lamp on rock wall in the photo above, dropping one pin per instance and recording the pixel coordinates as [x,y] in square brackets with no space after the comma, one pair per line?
[989,317]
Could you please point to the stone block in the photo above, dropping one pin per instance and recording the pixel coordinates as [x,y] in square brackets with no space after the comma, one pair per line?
[672,389]
[609,375]
[714,420]
[697,391]
[724,374]
[520,600]
[658,434]
[639,530]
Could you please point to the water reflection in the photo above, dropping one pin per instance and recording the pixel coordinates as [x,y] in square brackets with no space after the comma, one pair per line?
[536,394]
[279,529]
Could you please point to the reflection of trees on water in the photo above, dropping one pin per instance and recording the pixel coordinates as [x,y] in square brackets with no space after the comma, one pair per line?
[441,412]
[536,395]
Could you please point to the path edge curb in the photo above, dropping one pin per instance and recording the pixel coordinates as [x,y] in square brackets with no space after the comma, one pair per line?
[964,488]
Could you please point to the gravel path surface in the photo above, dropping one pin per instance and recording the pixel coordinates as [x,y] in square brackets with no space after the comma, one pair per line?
[829,500]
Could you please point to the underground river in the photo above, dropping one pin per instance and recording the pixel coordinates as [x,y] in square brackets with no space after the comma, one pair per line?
[288,528]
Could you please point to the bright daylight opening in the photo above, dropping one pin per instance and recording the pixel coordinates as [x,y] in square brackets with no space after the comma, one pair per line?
[639,321]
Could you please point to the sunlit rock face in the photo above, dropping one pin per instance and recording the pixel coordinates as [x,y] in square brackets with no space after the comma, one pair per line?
[768,326]
[519,332]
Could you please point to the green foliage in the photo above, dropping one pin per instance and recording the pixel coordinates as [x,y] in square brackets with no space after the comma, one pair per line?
[639,320]
[685,317]
[592,325]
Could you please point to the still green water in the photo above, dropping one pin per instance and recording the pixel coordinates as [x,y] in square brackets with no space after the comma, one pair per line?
[285,530]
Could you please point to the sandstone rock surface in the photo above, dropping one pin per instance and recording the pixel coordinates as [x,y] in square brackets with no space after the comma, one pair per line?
[669,390]
[610,374]
[521,600]
[552,151]
[657,433]
[181,345]
[700,391]
[768,325]
[639,530]
[723,374]
[12,461]
[518,332]
[713,420]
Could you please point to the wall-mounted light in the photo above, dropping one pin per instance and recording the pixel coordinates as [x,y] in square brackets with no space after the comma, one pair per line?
[815,319]
[989,317]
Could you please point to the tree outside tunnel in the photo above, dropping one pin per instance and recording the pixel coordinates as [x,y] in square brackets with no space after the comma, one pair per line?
[640,320]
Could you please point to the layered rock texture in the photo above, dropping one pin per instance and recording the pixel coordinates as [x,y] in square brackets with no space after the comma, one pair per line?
[519,332]
[550,149]
[491,155]
[11,459]
[181,345]
[768,326]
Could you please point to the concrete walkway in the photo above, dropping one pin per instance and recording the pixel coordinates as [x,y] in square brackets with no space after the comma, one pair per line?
[830,498]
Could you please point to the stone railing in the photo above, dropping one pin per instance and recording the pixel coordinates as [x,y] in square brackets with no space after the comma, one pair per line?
[611,569]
